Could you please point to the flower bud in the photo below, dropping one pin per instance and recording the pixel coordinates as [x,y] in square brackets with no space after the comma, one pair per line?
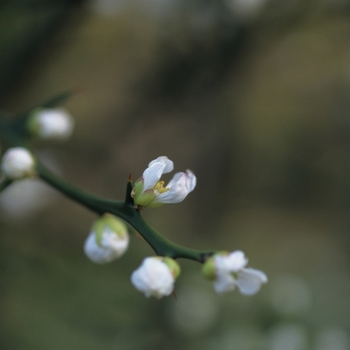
[51,124]
[156,276]
[209,269]
[107,241]
[18,163]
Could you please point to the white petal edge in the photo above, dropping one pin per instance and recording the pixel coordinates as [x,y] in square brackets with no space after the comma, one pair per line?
[236,261]
[169,164]
[192,180]
[179,187]
[250,280]
[232,262]
[152,175]
[224,283]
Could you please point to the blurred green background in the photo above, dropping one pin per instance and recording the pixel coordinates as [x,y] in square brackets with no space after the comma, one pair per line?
[253,96]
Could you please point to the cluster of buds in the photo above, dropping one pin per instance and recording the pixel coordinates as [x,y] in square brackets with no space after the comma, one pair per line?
[46,124]
[109,238]
[157,275]
[107,241]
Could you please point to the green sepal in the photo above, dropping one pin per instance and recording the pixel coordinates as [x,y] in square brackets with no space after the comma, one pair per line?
[33,125]
[110,222]
[138,187]
[145,198]
[115,224]
[98,228]
[209,268]
[155,205]
[173,266]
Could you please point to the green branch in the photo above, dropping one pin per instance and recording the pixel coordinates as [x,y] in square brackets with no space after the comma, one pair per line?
[126,211]
[14,133]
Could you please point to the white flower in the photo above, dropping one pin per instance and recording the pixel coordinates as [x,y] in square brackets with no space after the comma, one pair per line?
[150,191]
[18,163]
[228,272]
[51,124]
[108,240]
[156,276]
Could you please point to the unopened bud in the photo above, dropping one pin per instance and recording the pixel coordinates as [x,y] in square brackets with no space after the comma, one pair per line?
[51,124]
[156,276]
[107,241]
[18,163]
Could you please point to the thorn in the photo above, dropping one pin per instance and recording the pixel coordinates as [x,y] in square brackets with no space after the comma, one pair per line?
[174,294]
[130,178]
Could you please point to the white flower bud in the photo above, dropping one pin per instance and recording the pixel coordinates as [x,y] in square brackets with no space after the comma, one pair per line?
[51,124]
[156,276]
[108,240]
[18,163]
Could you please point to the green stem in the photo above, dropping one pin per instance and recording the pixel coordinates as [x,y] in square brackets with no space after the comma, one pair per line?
[14,132]
[126,211]
[94,203]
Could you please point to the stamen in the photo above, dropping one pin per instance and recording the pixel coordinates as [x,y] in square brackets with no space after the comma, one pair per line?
[159,188]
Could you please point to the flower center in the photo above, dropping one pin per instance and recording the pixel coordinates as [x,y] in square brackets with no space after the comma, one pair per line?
[159,188]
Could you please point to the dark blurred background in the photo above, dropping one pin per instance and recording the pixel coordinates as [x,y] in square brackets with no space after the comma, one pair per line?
[253,96]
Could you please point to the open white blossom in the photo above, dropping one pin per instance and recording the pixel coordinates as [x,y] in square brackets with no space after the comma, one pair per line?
[150,191]
[156,276]
[17,163]
[108,240]
[228,270]
[51,124]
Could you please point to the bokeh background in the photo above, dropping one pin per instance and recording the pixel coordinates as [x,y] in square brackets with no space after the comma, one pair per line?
[253,96]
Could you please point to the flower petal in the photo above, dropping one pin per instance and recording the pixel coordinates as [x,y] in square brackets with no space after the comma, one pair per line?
[236,261]
[250,280]
[232,262]
[112,246]
[169,165]
[153,278]
[53,123]
[192,180]
[179,187]
[152,175]
[224,283]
